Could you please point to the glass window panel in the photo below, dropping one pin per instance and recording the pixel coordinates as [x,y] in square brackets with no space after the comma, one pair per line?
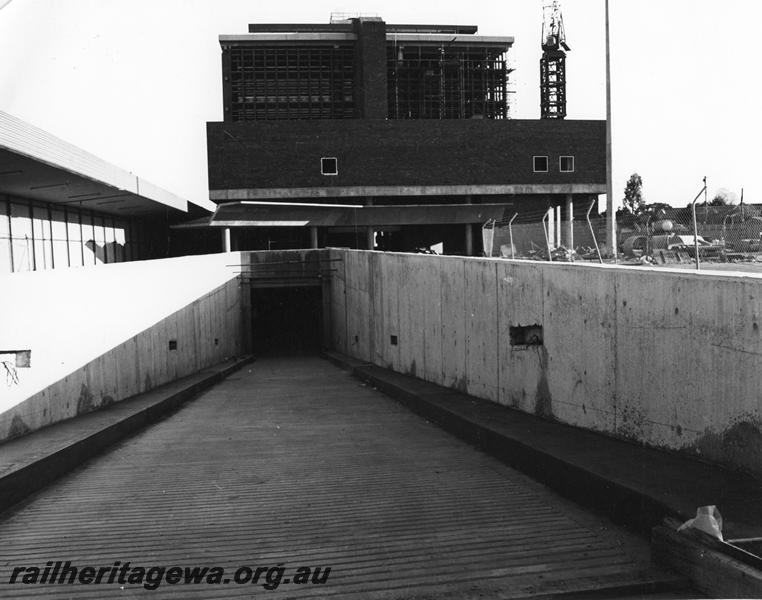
[5,242]
[60,254]
[100,240]
[75,240]
[21,232]
[43,250]
[38,222]
[75,253]
[5,255]
[21,222]
[22,254]
[39,255]
[4,231]
[73,226]
[58,232]
[90,251]
[129,250]
[120,237]
[58,225]
[89,245]
[49,246]
[110,240]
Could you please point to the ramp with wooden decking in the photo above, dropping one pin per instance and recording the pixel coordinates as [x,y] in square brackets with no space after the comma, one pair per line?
[291,463]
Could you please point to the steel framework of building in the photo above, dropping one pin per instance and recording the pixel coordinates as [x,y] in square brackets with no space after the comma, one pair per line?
[430,82]
[316,82]
[300,82]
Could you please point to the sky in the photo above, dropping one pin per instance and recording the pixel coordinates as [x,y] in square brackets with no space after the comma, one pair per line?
[135,81]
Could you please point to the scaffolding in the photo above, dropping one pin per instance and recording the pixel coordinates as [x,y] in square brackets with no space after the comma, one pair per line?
[303,82]
[424,81]
[447,82]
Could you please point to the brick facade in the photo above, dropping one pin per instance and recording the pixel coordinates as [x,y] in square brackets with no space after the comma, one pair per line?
[286,154]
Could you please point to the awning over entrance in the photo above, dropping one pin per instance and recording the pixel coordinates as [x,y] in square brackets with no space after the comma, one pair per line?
[289,214]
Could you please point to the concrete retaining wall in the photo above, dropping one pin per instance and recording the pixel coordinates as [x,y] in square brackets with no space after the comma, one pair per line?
[98,335]
[672,359]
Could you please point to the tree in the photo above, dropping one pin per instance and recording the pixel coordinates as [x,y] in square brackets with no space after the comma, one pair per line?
[633,193]
[723,197]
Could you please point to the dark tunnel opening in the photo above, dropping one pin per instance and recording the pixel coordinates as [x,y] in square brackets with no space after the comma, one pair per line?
[286,321]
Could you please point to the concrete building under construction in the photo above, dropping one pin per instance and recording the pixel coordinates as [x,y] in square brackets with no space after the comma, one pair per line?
[399,133]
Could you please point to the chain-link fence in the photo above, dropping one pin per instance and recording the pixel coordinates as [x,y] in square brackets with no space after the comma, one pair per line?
[665,234]
[546,235]
[661,234]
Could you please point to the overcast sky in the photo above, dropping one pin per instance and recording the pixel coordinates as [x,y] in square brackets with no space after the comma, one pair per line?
[134,81]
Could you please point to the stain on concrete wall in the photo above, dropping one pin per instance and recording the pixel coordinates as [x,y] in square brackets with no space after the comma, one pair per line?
[17,428]
[86,401]
[543,399]
[739,445]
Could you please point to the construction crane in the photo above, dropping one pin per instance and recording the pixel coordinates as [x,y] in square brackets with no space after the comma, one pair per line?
[553,63]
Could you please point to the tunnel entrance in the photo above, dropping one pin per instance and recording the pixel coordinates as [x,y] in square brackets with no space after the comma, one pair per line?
[286,321]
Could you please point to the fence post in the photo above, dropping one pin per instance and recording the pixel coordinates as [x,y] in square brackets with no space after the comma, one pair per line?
[488,237]
[592,233]
[545,227]
[510,233]
[695,235]
[695,226]
[570,225]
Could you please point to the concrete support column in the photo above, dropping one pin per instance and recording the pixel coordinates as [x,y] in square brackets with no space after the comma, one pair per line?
[313,237]
[569,222]
[558,225]
[226,247]
[370,234]
[552,228]
[469,233]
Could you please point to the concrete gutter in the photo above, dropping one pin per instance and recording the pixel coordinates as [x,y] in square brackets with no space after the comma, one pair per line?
[632,484]
[33,461]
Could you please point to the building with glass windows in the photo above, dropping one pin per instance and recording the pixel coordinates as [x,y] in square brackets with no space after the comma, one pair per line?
[61,206]
[401,133]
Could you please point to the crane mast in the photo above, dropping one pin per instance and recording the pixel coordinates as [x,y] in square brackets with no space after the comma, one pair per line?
[553,63]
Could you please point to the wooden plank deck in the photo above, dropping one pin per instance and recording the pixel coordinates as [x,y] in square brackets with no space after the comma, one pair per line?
[291,462]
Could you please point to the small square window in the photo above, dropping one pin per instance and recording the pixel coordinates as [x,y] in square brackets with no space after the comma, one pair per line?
[329,165]
[566,164]
[540,164]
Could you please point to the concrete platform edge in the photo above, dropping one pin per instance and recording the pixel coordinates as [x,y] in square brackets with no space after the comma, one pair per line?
[622,504]
[19,484]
